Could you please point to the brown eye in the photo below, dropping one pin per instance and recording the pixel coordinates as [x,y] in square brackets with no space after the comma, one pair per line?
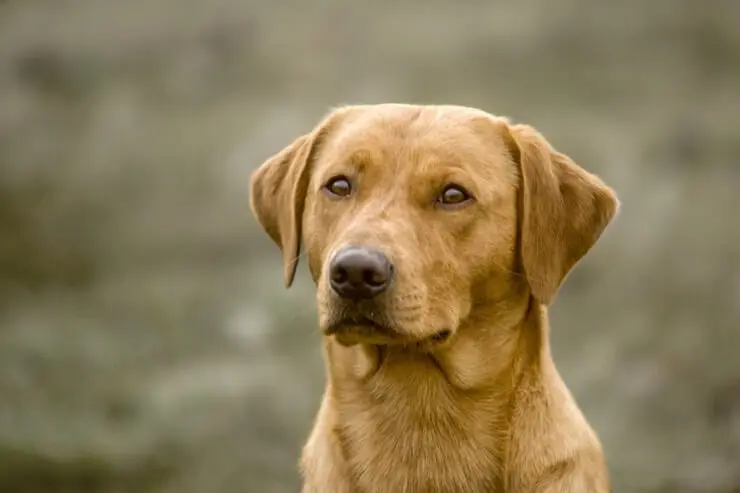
[339,186]
[454,195]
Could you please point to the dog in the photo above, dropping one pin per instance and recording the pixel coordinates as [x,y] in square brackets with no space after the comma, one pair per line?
[437,236]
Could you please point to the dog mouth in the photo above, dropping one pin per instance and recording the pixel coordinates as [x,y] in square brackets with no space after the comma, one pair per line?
[360,325]
[363,329]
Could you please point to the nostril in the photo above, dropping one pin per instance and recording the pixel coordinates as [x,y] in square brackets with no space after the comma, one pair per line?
[374,277]
[359,272]
[339,275]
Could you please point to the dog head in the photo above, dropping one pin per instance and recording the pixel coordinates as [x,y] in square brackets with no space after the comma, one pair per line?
[411,216]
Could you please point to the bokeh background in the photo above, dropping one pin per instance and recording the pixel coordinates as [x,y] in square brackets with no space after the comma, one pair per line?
[147,344]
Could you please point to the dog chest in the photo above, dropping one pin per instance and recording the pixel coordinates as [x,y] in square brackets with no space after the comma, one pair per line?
[418,438]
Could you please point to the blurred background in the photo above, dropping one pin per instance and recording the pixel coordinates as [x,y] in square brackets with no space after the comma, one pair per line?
[147,344]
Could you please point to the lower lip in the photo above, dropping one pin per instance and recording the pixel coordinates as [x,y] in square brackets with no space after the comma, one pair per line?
[374,329]
[441,336]
[369,324]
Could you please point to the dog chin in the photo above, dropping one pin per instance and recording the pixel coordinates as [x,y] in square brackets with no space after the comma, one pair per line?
[361,331]
[349,333]
[352,338]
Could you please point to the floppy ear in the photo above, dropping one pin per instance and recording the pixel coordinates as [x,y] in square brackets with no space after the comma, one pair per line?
[564,210]
[278,192]
[277,197]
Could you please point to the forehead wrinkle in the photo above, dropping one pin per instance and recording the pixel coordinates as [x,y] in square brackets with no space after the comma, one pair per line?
[399,140]
[439,151]
[456,155]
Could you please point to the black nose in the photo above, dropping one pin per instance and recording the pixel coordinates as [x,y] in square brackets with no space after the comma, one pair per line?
[360,272]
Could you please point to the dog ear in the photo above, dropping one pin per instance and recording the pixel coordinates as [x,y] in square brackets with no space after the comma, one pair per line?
[277,196]
[564,210]
[278,191]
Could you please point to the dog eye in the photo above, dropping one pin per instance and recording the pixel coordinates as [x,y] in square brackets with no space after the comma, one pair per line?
[454,195]
[339,186]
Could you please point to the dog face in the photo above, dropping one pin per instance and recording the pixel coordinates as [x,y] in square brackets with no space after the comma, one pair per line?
[413,215]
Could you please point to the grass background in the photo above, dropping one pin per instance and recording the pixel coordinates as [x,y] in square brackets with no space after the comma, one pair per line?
[146,341]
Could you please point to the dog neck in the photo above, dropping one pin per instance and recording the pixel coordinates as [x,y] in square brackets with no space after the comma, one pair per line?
[424,399]
[496,341]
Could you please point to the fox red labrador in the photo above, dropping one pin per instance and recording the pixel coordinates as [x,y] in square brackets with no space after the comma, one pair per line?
[436,237]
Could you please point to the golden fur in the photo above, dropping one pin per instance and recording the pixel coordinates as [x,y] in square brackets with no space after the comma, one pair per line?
[485,409]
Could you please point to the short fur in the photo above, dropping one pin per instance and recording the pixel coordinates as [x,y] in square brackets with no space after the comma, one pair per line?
[485,410]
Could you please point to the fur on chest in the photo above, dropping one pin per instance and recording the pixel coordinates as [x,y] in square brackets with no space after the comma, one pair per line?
[419,436]
[422,460]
